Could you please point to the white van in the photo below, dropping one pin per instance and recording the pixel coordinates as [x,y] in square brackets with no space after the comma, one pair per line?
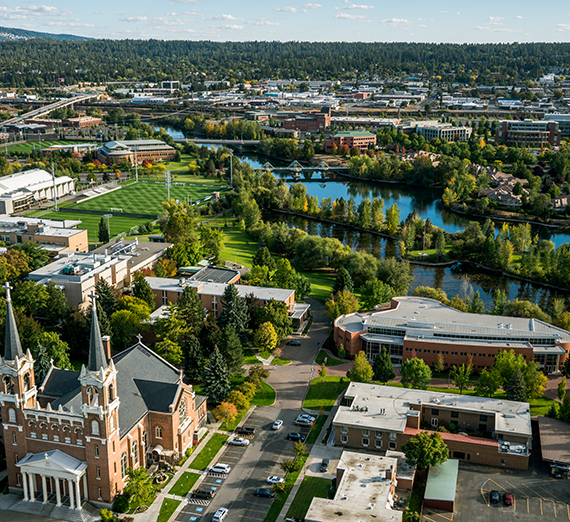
[220,515]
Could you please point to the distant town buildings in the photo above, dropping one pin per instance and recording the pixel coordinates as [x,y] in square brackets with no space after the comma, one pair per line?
[442,131]
[563,121]
[528,133]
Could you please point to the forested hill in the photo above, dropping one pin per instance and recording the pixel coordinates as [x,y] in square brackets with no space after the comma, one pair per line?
[9,33]
[153,60]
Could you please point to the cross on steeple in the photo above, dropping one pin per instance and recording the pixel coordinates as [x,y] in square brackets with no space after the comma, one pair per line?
[7,287]
[139,337]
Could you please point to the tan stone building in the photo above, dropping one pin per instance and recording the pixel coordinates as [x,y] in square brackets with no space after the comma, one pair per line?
[135,150]
[71,439]
[491,432]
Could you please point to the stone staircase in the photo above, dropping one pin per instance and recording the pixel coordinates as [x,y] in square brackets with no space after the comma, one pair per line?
[88,513]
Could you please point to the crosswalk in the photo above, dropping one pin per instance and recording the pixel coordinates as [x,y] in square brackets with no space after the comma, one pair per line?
[199,501]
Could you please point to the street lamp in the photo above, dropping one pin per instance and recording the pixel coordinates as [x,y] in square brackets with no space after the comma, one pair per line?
[108,216]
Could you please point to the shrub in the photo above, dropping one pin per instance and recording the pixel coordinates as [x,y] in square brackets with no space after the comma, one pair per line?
[452,427]
[106,515]
[122,504]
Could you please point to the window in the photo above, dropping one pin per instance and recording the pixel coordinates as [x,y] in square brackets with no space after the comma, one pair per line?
[434,422]
[111,393]
[44,436]
[33,435]
[99,493]
[26,382]
[14,440]
[94,428]
[483,418]
[378,444]
[113,446]
[365,433]
[18,480]
[9,385]
[164,298]
[97,451]
[379,434]
[393,436]
[79,442]
[455,415]
[135,452]
[98,473]
[158,432]
[145,439]
[115,467]
[503,462]
[459,455]
[56,438]
[182,412]
[343,439]
[434,411]
[344,429]
[124,464]
[93,396]
[12,415]
[365,442]
[68,440]
[392,445]
[112,420]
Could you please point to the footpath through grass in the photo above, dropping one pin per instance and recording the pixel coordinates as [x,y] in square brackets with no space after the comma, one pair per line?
[331,361]
[310,488]
[204,458]
[167,509]
[184,484]
[316,430]
[325,391]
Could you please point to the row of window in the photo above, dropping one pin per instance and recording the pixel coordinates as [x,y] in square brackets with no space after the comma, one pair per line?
[366,442]
[455,415]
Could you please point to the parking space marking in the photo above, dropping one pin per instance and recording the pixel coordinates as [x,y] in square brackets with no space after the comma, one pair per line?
[535,492]
[497,484]
[541,506]
[441,515]
[553,496]
[527,506]
[554,506]
[568,511]
[513,486]
[485,497]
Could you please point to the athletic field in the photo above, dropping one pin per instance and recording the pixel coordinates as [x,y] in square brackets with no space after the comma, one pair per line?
[146,198]
[29,146]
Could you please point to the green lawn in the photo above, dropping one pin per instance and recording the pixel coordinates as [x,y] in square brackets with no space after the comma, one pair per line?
[310,488]
[331,361]
[318,427]
[279,361]
[184,484]
[90,222]
[146,198]
[249,357]
[204,458]
[29,146]
[324,392]
[168,507]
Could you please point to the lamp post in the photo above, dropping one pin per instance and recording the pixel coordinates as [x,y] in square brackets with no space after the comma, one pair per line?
[231,168]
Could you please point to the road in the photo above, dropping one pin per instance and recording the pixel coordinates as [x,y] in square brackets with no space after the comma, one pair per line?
[253,464]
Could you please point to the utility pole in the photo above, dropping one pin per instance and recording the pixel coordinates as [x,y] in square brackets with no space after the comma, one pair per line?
[231,168]
[136,167]
[54,186]
[167,182]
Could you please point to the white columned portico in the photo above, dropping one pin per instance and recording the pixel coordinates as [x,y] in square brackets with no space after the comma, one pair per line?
[25,485]
[32,478]
[44,489]
[77,494]
[85,490]
[71,496]
[57,492]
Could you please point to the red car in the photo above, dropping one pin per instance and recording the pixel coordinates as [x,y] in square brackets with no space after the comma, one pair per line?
[508,499]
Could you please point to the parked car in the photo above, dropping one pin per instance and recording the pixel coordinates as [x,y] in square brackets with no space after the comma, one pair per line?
[494,497]
[297,437]
[274,479]
[508,499]
[220,468]
[277,424]
[303,422]
[238,441]
[220,515]
[264,492]
[294,343]
[306,416]
[204,493]
[245,430]
[324,466]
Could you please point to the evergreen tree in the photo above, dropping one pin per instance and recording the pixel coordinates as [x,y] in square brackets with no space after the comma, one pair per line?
[343,281]
[104,321]
[42,364]
[191,310]
[57,308]
[193,359]
[231,350]
[107,297]
[216,377]
[211,333]
[477,305]
[104,235]
[516,387]
[263,258]
[564,410]
[234,312]
[383,368]
[562,388]
[142,290]
[553,411]
[566,368]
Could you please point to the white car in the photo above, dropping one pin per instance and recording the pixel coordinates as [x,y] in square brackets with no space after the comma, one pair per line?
[238,441]
[277,424]
[221,468]
[275,480]
[220,515]
[305,416]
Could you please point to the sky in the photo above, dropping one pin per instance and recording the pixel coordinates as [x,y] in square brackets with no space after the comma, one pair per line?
[285,20]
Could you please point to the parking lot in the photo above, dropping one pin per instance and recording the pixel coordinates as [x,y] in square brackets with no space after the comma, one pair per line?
[536,496]
[250,467]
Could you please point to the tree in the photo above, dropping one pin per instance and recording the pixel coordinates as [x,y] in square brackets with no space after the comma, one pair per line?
[234,312]
[238,399]
[323,371]
[30,297]
[553,411]
[263,258]
[343,281]
[392,219]
[170,351]
[383,368]
[56,349]
[566,367]
[562,389]
[376,292]
[193,358]
[291,465]
[216,378]
[341,303]
[361,369]
[300,449]
[564,410]
[139,486]
[535,380]
[426,449]
[125,325]
[415,374]
[460,376]
[277,313]
[225,412]
[506,362]
[231,350]
[439,364]
[143,291]
[256,375]
[265,338]
[56,308]
[489,383]
[42,364]
[249,389]
[107,296]
[190,309]
[516,387]
[103,234]
[212,243]
[177,222]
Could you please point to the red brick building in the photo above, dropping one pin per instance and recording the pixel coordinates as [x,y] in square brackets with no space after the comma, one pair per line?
[361,140]
[310,121]
[72,438]
[528,133]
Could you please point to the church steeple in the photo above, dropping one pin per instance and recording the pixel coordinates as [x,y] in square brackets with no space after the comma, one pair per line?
[12,346]
[97,355]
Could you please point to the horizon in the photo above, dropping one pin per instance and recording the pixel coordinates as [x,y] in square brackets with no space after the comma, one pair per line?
[348,21]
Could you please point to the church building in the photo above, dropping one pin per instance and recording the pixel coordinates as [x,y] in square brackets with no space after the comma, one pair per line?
[71,439]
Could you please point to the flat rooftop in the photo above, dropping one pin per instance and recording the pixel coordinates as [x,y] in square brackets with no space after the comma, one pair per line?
[386,408]
[215,274]
[442,481]
[554,440]
[140,253]
[363,494]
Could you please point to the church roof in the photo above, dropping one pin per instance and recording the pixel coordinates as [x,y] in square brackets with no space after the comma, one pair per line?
[60,382]
[97,355]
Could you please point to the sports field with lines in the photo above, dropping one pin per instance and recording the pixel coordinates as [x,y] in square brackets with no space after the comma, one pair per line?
[146,198]
[29,146]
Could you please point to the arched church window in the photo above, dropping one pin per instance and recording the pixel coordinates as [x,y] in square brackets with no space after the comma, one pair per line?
[9,385]
[124,464]
[94,428]
[26,382]
[135,452]
[12,415]
[93,396]
[111,393]
[158,432]
[182,412]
